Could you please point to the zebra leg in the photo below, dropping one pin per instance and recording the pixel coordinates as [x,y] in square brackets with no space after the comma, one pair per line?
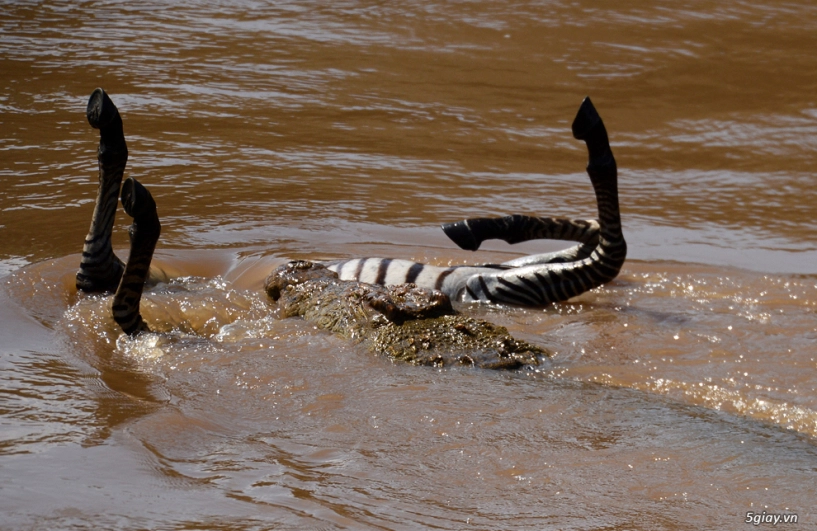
[542,284]
[571,254]
[100,269]
[470,233]
[144,233]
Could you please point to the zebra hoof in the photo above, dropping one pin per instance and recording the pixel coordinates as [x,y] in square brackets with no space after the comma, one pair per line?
[100,111]
[586,120]
[136,199]
[460,234]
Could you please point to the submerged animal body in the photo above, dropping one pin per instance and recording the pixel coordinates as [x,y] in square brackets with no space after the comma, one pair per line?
[412,319]
[405,322]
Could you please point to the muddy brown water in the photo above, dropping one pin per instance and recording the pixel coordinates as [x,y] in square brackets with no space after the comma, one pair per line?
[681,396]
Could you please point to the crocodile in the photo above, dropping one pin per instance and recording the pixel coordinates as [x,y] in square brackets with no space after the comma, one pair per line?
[404,322]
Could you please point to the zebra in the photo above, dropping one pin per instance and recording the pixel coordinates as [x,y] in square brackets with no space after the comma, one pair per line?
[536,280]
[533,281]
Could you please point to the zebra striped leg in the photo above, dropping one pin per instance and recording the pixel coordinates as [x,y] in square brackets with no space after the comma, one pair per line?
[470,233]
[571,254]
[542,284]
[100,269]
[144,233]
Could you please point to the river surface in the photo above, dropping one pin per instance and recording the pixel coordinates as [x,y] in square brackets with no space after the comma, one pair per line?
[683,395]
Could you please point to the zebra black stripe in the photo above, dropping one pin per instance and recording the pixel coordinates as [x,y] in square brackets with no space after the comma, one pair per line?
[359,270]
[520,293]
[484,288]
[440,279]
[382,270]
[414,272]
